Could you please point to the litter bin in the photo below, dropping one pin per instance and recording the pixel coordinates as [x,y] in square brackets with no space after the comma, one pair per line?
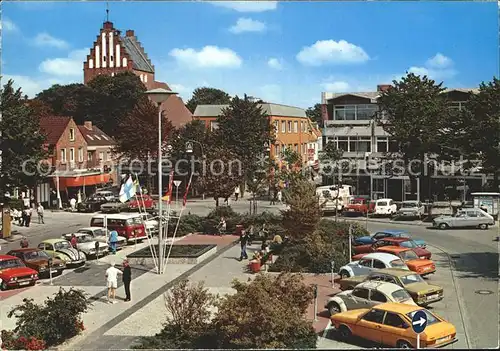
[239,229]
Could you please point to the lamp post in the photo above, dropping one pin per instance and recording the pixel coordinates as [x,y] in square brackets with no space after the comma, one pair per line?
[159,96]
[190,149]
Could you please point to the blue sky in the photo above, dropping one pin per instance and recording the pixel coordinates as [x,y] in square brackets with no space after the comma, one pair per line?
[284,52]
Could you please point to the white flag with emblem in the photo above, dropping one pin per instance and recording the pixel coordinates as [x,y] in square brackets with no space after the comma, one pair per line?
[128,190]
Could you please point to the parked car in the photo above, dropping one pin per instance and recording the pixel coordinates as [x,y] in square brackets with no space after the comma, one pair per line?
[409,244]
[359,206]
[366,295]
[15,274]
[143,202]
[114,205]
[38,260]
[92,204]
[128,225]
[62,249]
[470,217]
[390,324]
[102,235]
[387,233]
[152,225]
[385,208]
[416,264]
[411,209]
[107,194]
[87,244]
[371,262]
[422,292]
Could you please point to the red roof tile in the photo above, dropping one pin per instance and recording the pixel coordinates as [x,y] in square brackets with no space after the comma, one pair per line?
[53,127]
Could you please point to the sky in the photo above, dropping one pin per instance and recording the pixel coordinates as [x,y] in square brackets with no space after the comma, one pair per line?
[281,52]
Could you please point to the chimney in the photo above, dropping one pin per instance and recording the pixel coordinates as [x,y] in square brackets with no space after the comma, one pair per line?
[88,125]
[129,33]
[383,87]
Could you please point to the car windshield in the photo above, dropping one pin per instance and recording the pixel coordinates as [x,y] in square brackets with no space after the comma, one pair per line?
[409,244]
[84,238]
[408,255]
[35,255]
[62,245]
[99,232]
[431,319]
[408,204]
[382,203]
[398,264]
[14,263]
[411,278]
[400,295]
[357,202]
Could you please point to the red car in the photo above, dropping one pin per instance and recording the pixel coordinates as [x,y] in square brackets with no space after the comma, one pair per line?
[15,274]
[143,202]
[359,206]
[401,242]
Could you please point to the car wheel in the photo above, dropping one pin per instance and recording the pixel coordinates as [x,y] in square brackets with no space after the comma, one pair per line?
[3,286]
[334,308]
[344,332]
[344,274]
[403,344]
[483,226]
[443,226]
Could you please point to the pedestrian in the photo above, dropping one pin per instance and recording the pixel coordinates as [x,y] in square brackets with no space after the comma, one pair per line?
[112,282]
[27,212]
[26,201]
[23,218]
[72,203]
[39,211]
[272,194]
[279,197]
[236,193]
[113,239]
[127,278]
[24,243]
[74,241]
[243,243]
[222,226]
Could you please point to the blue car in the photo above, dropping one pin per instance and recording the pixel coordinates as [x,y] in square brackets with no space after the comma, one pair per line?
[387,233]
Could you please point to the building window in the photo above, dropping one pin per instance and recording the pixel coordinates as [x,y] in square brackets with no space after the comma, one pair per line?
[359,144]
[276,128]
[382,144]
[355,112]
[63,155]
[283,127]
[277,147]
[101,156]
[72,134]
[342,143]
[457,105]
[214,126]
[80,154]
[345,113]
[71,155]
[295,127]
[289,126]
[111,58]
[296,147]
[89,156]
[145,78]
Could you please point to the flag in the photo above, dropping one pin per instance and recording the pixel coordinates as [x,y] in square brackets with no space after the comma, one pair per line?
[184,200]
[168,195]
[128,190]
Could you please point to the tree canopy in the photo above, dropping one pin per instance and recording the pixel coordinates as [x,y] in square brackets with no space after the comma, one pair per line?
[207,96]
[315,115]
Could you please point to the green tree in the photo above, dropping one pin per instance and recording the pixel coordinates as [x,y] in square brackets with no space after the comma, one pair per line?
[315,115]
[329,158]
[207,96]
[22,142]
[412,110]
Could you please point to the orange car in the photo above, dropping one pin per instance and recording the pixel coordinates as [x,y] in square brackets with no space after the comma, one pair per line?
[414,263]
[390,324]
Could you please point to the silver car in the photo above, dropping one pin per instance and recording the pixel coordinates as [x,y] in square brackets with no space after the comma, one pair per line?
[102,235]
[87,244]
[411,209]
[468,217]
[367,295]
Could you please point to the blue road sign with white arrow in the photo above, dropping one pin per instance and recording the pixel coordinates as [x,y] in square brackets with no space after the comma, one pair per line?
[419,322]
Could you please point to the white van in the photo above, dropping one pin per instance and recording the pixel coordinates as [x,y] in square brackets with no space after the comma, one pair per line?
[128,225]
[332,198]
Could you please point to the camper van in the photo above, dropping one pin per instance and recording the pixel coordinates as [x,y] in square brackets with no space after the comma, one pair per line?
[333,198]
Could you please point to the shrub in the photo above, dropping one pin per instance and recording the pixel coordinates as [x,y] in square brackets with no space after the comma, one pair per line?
[266,313]
[211,221]
[189,223]
[10,341]
[57,320]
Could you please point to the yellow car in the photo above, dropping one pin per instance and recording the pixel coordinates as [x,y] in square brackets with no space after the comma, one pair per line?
[390,324]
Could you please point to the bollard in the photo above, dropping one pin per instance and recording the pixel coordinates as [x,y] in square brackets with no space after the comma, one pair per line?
[315,302]
[96,246]
[333,274]
[50,270]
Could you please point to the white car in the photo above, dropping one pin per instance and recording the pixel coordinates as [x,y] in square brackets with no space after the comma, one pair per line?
[371,262]
[411,209]
[87,244]
[151,223]
[367,295]
[385,207]
[100,234]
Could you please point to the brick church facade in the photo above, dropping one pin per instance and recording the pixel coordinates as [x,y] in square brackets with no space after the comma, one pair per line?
[113,53]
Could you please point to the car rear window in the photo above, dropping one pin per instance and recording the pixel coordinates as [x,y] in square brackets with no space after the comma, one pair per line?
[400,295]
[411,278]
[383,203]
[398,263]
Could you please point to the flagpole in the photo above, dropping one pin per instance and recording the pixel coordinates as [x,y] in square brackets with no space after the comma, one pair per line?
[170,188]
[160,191]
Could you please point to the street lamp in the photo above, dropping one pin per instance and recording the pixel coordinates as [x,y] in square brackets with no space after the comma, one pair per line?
[159,96]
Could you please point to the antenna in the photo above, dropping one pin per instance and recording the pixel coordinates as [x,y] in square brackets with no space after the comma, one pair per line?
[107,11]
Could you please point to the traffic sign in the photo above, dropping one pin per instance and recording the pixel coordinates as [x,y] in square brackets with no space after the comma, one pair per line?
[419,322]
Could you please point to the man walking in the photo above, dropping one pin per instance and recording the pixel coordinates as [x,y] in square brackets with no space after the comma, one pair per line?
[113,240]
[243,243]
[127,278]
[112,282]
[236,193]
[39,211]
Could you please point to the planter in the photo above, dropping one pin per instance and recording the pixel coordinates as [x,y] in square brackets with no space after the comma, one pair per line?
[254,267]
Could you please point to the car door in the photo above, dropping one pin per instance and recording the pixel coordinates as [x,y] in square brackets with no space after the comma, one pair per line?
[376,297]
[473,220]
[459,220]
[394,329]
[370,325]
[49,249]
[363,267]
[359,298]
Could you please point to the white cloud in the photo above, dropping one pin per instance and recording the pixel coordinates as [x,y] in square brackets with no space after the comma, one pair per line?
[271,93]
[275,63]
[183,91]
[333,52]
[70,66]
[439,61]
[336,87]
[247,25]
[209,56]
[32,85]
[46,40]
[247,6]
[8,25]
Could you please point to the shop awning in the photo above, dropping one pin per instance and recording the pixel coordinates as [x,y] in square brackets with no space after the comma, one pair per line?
[79,179]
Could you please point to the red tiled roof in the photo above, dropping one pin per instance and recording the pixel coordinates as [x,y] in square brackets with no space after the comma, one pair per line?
[157,85]
[95,137]
[53,127]
[177,112]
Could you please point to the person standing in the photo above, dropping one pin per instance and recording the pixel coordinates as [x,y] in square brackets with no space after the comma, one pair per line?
[279,197]
[127,278]
[27,212]
[39,211]
[243,243]
[112,282]
[72,203]
[74,241]
[236,193]
[222,226]
[113,239]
